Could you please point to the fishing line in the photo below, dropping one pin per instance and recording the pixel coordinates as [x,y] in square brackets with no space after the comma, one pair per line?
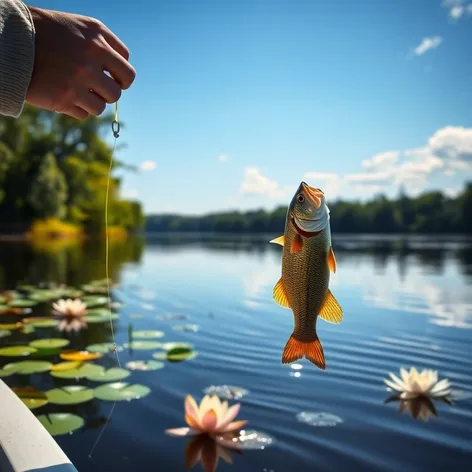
[115,127]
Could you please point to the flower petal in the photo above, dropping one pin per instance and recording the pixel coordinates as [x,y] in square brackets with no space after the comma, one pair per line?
[235,426]
[209,421]
[392,385]
[191,408]
[192,422]
[399,382]
[181,432]
[231,413]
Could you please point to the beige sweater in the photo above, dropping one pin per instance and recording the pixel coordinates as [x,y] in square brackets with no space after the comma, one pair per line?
[17,37]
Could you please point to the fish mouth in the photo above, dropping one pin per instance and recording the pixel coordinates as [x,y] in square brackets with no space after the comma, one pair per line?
[314,195]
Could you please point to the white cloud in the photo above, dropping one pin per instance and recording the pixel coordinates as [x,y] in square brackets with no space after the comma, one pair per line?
[456,12]
[370,178]
[223,158]
[452,192]
[147,166]
[381,160]
[370,189]
[255,183]
[426,44]
[452,142]
[329,182]
[324,176]
[457,8]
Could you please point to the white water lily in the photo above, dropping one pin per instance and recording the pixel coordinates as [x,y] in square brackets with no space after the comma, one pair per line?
[414,384]
[211,417]
[69,307]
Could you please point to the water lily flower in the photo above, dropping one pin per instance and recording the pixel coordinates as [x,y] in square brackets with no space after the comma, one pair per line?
[207,450]
[415,384]
[69,307]
[211,417]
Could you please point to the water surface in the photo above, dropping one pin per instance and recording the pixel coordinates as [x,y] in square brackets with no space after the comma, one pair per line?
[407,302]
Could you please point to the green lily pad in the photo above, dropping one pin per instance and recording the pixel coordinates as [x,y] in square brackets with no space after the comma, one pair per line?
[93,301]
[53,351]
[176,345]
[26,288]
[45,295]
[187,327]
[57,424]
[160,355]
[49,343]
[27,367]
[42,322]
[103,348]
[4,333]
[150,334]
[111,375]
[31,397]
[104,317]
[70,395]
[145,365]
[72,293]
[28,329]
[142,345]
[81,372]
[180,354]
[4,309]
[119,391]
[17,351]
[22,303]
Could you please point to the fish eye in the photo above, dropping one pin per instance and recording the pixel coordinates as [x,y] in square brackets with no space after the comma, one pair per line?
[300,198]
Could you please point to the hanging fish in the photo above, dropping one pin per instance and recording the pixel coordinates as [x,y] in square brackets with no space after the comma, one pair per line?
[307,261]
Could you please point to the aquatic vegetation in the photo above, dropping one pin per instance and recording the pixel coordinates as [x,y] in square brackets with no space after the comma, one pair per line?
[318,418]
[49,343]
[193,328]
[228,392]
[181,353]
[82,371]
[145,365]
[69,395]
[108,375]
[210,417]
[119,391]
[69,307]
[149,334]
[27,367]
[103,348]
[71,325]
[80,356]
[31,397]
[414,384]
[142,345]
[57,424]
[17,351]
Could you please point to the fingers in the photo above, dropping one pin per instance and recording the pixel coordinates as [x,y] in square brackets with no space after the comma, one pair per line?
[90,102]
[121,70]
[105,87]
[115,42]
[75,112]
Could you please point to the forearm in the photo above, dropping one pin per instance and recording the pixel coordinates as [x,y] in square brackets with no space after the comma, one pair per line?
[17,41]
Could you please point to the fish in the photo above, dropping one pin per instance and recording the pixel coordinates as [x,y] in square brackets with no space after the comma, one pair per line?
[307,261]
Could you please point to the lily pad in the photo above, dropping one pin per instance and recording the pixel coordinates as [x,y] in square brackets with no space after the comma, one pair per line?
[150,334]
[17,351]
[103,348]
[41,322]
[100,316]
[53,351]
[80,372]
[31,397]
[4,333]
[28,329]
[144,365]
[80,356]
[160,355]
[49,343]
[179,354]
[142,345]
[67,365]
[4,309]
[10,326]
[92,301]
[176,345]
[46,295]
[57,424]
[111,375]
[70,395]
[119,391]
[22,303]
[27,367]
[228,392]
[187,327]
[318,418]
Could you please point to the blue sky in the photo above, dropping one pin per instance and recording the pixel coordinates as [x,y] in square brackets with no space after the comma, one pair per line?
[236,102]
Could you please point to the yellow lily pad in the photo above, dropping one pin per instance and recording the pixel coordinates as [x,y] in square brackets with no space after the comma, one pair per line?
[10,326]
[80,356]
[31,397]
[62,366]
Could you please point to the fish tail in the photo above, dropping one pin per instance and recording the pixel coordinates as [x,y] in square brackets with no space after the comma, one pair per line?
[312,350]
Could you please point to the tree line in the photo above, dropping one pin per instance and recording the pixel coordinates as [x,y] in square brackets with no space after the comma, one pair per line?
[55,167]
[431,212]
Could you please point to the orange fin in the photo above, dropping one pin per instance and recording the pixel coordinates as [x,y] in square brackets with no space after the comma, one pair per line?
[331,260]
[295,350]
[280,240]
[331,310]
[297,244]
[280,296]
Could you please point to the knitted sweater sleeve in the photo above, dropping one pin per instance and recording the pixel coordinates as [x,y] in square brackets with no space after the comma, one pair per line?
[17,37]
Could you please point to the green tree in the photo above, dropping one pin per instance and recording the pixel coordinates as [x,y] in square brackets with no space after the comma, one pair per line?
[48,193]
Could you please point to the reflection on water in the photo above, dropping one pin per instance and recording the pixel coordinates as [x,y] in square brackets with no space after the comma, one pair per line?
[407,302]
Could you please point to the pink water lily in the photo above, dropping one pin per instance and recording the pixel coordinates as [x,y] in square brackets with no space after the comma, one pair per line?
[211,417]
[69,307]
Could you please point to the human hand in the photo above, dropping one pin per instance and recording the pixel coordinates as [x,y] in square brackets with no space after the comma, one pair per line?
[72,53]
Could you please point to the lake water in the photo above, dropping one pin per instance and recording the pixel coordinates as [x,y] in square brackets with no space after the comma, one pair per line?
[407,302]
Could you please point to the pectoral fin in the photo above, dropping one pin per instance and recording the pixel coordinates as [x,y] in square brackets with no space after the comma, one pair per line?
[280,296]
[331,260]
[297,244]
[331,310]
[280,240]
